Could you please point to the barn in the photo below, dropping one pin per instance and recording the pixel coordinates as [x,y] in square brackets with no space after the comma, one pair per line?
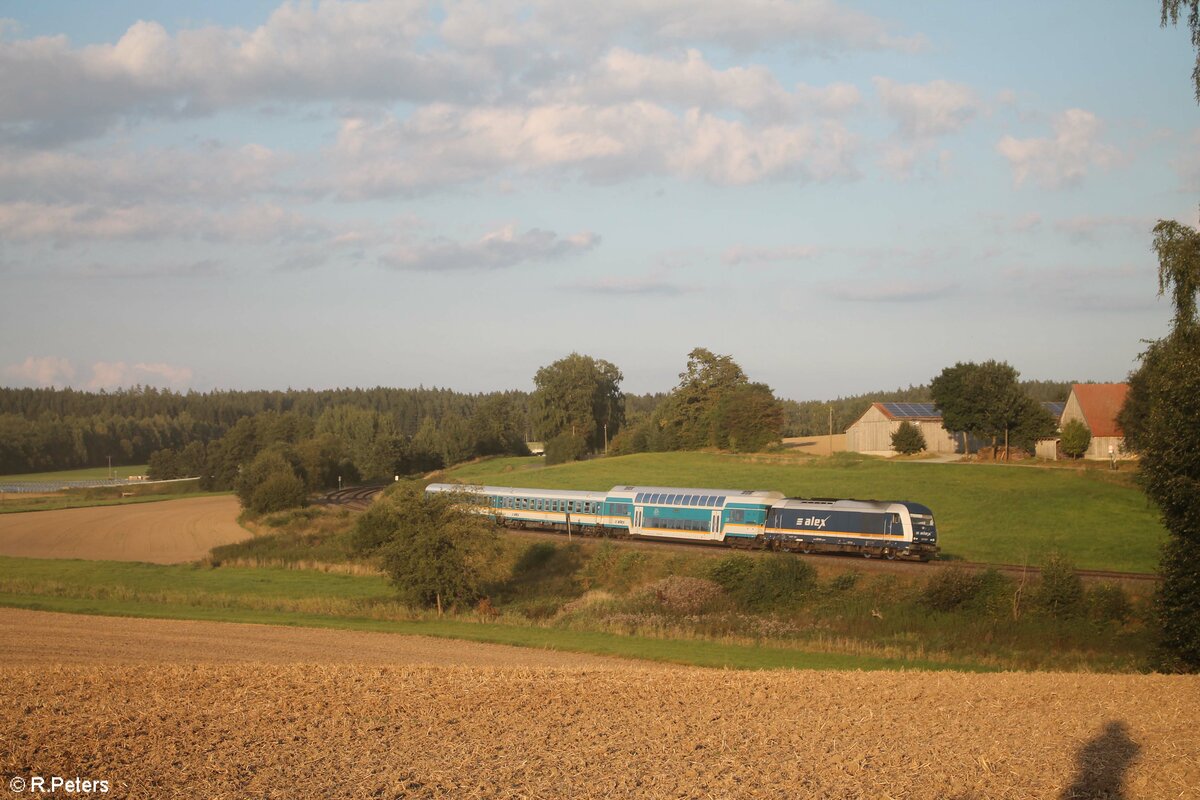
[1097,405]
[872,432]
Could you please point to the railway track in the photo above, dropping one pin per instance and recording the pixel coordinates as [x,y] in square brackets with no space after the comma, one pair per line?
[359,498]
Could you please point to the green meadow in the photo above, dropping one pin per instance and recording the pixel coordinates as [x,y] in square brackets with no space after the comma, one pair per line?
[91,473]
[990,513]
[310,598]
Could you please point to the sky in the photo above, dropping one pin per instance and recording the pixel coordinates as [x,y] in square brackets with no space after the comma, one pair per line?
[844,197]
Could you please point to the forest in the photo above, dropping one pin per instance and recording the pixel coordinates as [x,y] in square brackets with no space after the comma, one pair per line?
[378,432]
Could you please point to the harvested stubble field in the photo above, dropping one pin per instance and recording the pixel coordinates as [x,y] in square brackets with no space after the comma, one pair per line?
[170,532]
[320,730]
[30,638]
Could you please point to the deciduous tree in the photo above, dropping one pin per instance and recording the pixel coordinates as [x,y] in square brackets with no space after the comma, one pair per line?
[1170,14]
[433,548]
[1161,421]
[578,395]
[986,400]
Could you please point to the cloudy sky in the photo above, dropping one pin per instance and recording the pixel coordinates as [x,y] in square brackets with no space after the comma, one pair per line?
[843,196]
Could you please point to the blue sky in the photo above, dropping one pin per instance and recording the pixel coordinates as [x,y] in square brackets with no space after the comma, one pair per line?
[842,196]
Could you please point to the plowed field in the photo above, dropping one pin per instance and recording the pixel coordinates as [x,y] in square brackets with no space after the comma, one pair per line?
[344,730]
[169,532]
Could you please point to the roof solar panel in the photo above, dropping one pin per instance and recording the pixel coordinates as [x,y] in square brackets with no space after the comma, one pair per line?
[912,410]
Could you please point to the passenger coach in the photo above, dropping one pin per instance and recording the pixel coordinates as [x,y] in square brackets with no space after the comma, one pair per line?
[725,516]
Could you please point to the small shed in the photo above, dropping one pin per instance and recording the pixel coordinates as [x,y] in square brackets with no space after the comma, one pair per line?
[1097,405]
[872,432]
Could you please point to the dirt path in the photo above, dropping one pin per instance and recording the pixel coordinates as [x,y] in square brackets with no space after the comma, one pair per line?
[41,638]
[167,532]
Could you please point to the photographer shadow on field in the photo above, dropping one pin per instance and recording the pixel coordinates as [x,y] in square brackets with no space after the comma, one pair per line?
[1101,765]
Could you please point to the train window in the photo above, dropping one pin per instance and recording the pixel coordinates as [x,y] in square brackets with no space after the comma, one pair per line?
[656,498]
[689,500]
[737,516]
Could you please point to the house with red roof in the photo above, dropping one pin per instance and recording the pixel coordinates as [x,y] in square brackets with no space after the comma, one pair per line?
[1097,405]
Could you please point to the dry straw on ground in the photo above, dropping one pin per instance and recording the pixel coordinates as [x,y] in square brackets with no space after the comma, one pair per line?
[321,730]
[161,533]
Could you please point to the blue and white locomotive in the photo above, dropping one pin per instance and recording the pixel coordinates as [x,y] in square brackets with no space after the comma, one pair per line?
[890,529]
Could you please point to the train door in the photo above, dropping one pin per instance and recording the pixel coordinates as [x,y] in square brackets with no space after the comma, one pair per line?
[637,519]
[715,525]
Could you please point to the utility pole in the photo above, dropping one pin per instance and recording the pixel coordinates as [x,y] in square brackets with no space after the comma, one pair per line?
[110,475]
[606,438]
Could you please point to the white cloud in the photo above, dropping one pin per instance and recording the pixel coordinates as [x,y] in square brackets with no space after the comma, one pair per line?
[68,224]
[1065,159]
[1089,227]
[928,110]
[41,371]
[687,80]
[116,374]
[328,50]
[806,26]
[1188,164]
[442,145]
[742,254]
[650,286]
[55,371]
[212,172]
[495,250]
[384,51]
[891,291]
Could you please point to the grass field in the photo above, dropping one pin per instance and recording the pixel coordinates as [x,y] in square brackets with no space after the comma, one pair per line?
[92,473]
[102,496]
[318,599]
[985,513]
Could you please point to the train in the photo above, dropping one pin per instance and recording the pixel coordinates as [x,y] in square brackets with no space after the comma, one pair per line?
[892,529]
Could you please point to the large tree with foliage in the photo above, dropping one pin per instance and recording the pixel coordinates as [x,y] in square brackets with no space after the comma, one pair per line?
[434,549]
[684,420]
[580,396]
[985,400]
[1170,14]
[1161,421]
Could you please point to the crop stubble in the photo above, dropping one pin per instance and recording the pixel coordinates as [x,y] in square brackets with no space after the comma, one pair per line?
[168,532]
[319,730]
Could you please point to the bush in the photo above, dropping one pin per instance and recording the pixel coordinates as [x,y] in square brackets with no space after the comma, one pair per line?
[564,448]
[1060,592]
[630,441]
[731,572]
[908,439]
[1076,438]
[1108,602]
[776,582]
[281,490]
[951,588]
